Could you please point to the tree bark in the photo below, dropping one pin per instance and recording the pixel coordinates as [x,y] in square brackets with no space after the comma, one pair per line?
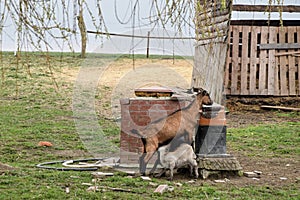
[212,25]
[83,32]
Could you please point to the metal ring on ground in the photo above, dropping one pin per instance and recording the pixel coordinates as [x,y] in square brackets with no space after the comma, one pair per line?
[45,165]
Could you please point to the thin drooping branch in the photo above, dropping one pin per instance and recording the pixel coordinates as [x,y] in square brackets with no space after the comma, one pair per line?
[50,20]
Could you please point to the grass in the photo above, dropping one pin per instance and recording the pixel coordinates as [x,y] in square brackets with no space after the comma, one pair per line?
[33,109]
[278,140]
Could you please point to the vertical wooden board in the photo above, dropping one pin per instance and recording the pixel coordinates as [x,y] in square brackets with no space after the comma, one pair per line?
[291,63]
[272,76]
[245,61]
[263,62]
[283,62]
[298,80]
[239,59]
[228,62]
[209,64]
[235,65]
[226,75]
[253,52]
[298,41]
[276,77]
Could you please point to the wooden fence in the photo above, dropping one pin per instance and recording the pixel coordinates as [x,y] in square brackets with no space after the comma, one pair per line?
[263,60]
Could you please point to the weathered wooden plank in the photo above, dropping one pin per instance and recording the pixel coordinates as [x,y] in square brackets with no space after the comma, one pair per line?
[291,63]
[280,108]
[280,46]
[289,53]
[211,51]
[228,63]
[276,77]
[263,63]
[245,60]
[264,8]
[253,63]
[298,60]
[283,64]
[210,62]
[235,64]
[271,62]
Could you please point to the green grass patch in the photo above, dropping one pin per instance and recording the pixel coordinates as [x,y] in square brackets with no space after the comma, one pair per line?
[281,140]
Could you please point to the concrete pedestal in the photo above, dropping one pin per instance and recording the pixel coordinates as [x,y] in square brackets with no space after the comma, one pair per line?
[210,144]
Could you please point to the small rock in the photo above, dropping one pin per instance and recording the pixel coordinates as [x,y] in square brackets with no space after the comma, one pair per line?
[67,190]
[87,184]
[92,188]
[254,178]
[161,189]
[99,174]
[287,165]
[178,184]
[153,184]
[170,188]
[222,181]
[219,181]
[191,181]
[145,178]
[283,178]
[130,173]
[250,174]
[258,172]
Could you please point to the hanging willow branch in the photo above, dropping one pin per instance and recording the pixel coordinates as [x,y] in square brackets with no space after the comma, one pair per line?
[45,19]
[41,24]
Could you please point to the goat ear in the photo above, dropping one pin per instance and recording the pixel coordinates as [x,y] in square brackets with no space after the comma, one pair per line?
[202,91]
[190,91]
[195,90]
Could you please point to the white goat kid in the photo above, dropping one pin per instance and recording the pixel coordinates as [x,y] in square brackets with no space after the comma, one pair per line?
[180,157]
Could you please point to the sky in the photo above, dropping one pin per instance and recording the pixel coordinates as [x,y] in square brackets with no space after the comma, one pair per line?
[127,45]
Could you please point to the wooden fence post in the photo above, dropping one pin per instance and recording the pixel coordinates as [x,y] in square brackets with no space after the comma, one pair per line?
[148,42]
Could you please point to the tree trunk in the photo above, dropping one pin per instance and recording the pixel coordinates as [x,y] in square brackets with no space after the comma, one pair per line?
[212,25]
[82,28]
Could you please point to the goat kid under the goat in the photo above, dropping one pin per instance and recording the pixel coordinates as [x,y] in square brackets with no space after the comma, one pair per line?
[180,157]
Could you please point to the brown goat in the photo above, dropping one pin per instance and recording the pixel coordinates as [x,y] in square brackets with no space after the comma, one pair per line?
[178,124]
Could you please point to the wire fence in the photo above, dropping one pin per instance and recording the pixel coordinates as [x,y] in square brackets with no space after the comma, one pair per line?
[147,40]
